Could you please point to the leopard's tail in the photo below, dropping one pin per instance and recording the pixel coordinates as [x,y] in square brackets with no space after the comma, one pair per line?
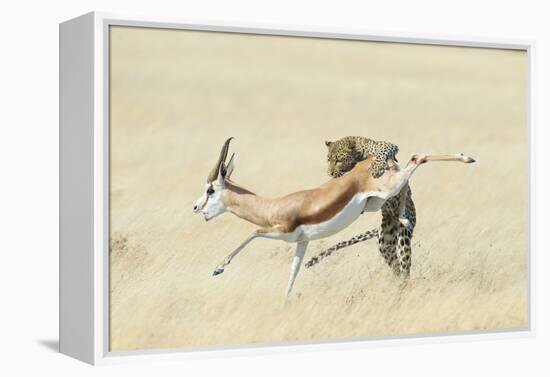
[373,233]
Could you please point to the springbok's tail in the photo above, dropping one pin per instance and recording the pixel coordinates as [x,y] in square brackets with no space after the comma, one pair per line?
[373,233]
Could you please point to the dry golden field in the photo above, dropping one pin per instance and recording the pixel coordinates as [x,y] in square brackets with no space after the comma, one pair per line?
[177,95]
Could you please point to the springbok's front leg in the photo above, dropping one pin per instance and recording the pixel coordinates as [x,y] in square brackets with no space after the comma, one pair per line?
[296,262]
[228,259]
[265,232]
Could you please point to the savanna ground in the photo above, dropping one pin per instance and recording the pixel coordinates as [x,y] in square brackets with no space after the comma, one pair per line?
[177,95]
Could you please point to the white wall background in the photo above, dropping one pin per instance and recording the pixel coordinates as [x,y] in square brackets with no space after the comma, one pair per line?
[29,186]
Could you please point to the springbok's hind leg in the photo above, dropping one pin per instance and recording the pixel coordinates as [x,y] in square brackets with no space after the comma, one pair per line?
[296,262]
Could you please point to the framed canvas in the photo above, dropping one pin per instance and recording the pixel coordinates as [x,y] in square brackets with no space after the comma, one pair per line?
[298,147]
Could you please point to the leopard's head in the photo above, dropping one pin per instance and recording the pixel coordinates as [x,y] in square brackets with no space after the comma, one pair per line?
[341,157]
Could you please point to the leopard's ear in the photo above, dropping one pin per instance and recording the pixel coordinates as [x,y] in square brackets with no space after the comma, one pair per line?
[328,143]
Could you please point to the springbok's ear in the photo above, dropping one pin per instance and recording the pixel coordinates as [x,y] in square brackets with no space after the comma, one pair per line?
[328,143]
[230,166]
[222,174]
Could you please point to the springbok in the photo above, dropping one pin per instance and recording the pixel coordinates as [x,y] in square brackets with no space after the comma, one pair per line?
[306,215]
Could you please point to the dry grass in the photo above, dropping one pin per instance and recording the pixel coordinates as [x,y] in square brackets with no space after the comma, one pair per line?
[175,97]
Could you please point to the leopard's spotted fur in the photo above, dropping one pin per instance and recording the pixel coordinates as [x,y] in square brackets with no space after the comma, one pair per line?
[346,152]
[340,245]
[394,238]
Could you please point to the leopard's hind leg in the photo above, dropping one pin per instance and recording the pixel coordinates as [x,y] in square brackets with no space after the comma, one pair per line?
[387,240]
[404,236]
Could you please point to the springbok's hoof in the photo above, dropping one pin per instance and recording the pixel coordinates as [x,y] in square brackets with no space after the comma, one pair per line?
[217,271]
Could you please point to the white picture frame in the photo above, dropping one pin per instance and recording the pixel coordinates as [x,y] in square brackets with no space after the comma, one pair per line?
[84,207]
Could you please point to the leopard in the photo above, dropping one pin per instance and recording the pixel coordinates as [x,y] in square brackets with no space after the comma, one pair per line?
[398,213]
[344,153]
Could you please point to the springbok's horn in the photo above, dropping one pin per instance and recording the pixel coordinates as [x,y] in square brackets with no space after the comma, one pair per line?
[223,155]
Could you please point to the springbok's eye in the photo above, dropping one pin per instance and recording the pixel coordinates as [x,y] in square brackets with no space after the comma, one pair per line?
[210,190]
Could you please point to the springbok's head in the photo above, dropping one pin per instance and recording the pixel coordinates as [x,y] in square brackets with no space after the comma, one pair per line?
[210,203]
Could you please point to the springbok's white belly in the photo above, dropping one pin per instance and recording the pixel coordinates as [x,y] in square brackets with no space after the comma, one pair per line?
[341,220]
